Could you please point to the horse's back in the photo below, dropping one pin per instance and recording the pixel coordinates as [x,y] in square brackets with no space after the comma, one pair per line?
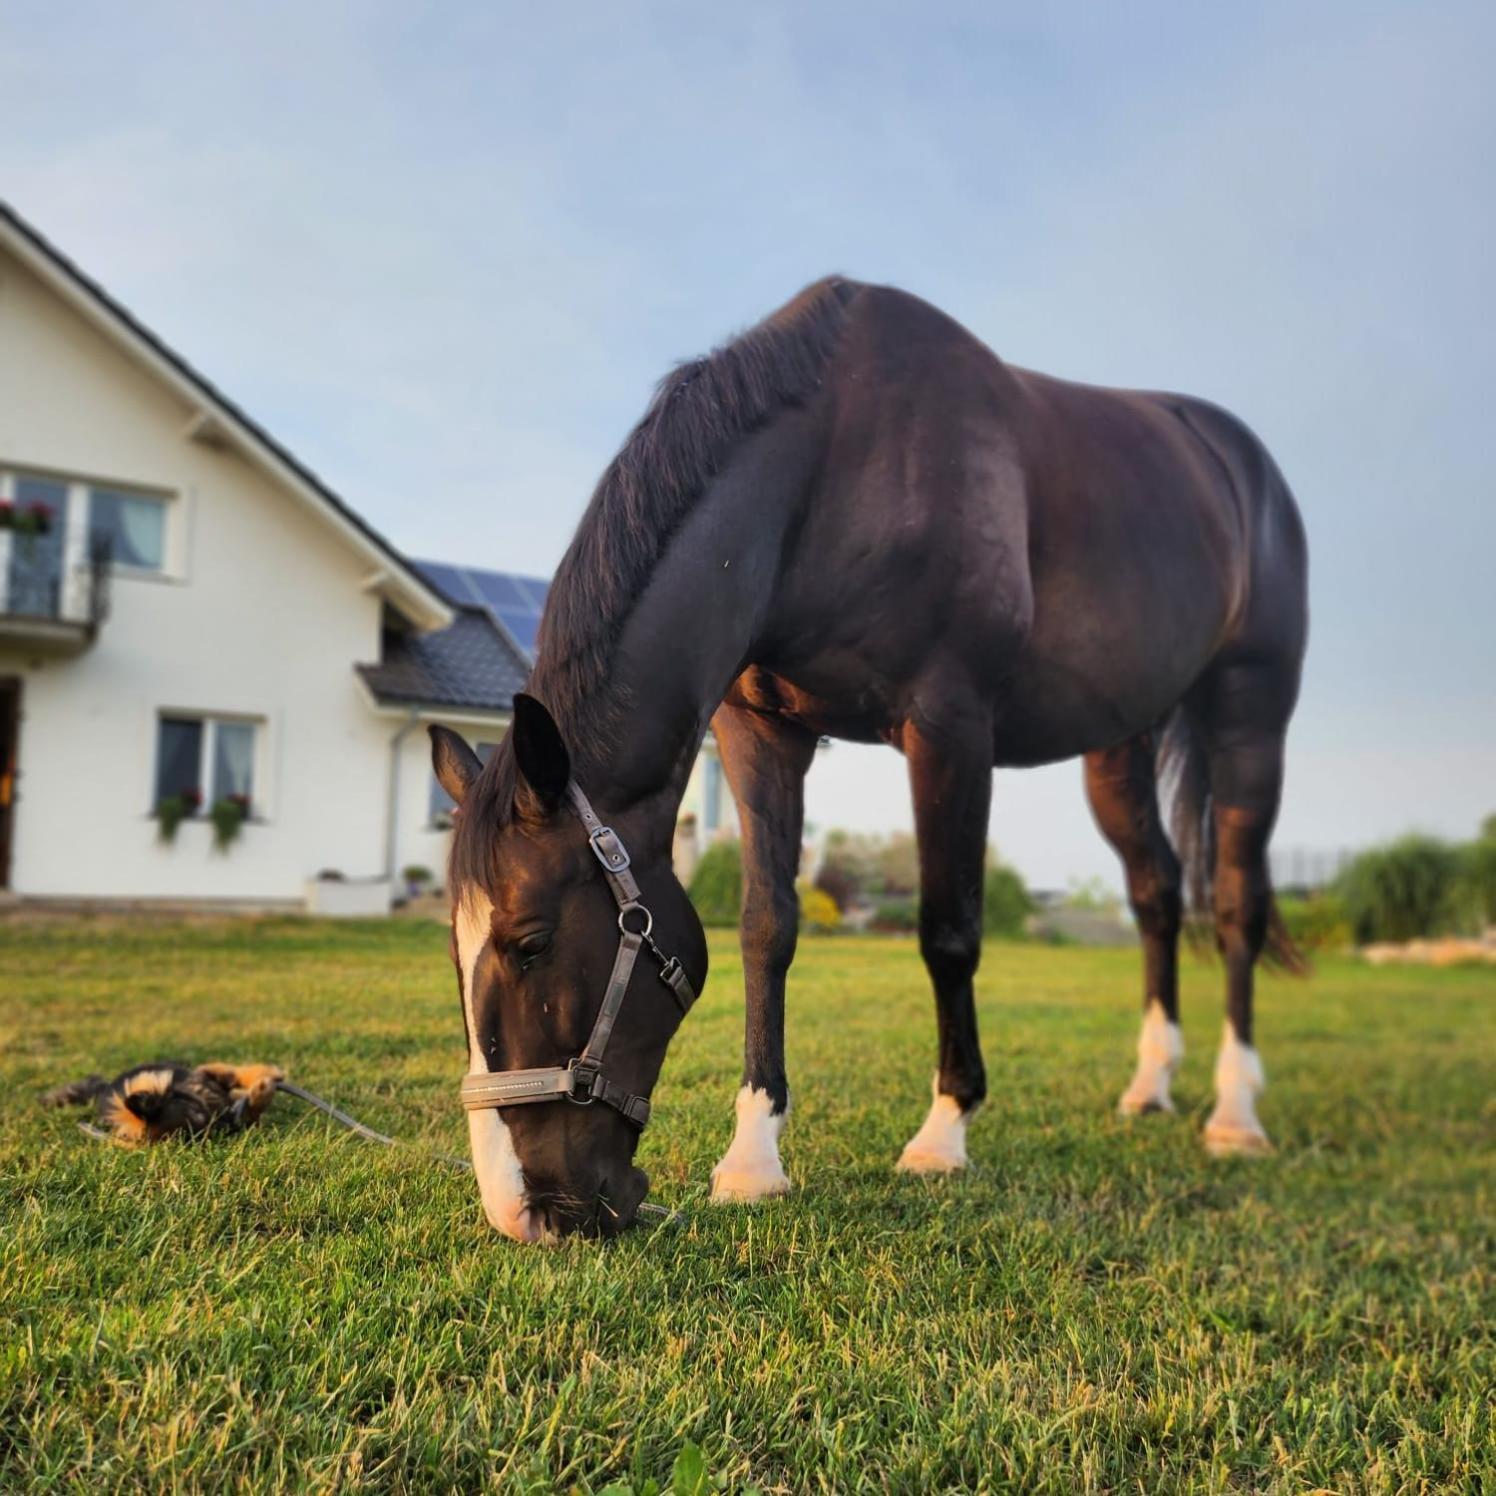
[1087,551]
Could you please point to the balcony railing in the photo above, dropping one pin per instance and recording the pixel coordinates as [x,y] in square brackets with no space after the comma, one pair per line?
[46,596]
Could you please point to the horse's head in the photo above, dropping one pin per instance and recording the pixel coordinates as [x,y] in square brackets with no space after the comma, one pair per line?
[537,932]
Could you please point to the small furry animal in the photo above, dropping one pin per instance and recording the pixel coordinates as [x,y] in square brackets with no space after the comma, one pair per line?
[159,1100]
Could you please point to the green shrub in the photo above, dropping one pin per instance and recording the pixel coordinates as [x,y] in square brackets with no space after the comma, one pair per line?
[818,909]
[1005,902]
[1402,891]
[717,884]
[1317,923]
[1477,882]
[896,916]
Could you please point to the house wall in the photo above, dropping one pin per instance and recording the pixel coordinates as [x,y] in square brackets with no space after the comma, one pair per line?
[262,614]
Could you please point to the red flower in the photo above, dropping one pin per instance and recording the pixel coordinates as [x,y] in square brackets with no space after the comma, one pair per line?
[193,798]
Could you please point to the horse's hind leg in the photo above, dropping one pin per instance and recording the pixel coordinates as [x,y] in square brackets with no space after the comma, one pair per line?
[766,759]
[1122,788]
[950,770]
[1245,709]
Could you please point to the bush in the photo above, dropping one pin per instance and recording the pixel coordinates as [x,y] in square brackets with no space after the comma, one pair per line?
[1005,902]
[1477,890]
[1402,891]
[896,917]
[717,884]
[818,909]
[1317,923]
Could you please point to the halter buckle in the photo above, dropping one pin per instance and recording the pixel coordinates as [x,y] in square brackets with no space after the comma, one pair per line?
[608,849]
[584,1077]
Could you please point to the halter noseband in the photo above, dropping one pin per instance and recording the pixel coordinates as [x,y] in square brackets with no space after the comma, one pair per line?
[581,1080]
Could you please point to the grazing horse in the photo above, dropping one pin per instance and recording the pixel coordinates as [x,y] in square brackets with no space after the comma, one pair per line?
[855,520]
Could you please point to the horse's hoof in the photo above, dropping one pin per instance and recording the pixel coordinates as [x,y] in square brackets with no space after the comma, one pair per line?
[925,1161]
[735,1186]
[1225,1140]
[1143,1104]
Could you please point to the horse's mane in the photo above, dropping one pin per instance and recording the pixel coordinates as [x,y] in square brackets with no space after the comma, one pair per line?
[699,413]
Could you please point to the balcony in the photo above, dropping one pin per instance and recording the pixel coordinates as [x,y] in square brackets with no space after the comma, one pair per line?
[50,600]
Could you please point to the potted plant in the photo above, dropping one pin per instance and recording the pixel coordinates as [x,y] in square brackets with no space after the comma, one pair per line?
[416,878]
[25,519]
[172,810]
[228,816]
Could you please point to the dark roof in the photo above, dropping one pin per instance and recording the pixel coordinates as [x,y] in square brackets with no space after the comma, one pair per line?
[211,393]
[470,665]
[514,602]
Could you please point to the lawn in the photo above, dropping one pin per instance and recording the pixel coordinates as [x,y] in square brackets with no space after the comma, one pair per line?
[1096,1306]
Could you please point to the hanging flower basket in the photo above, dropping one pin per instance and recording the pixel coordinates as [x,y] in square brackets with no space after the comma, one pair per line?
[228,816]
[25,519]
[172,810]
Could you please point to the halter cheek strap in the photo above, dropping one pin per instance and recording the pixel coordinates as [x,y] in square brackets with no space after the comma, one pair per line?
[582,1081]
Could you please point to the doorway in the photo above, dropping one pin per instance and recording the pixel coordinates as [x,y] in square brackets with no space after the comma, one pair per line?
[10,742]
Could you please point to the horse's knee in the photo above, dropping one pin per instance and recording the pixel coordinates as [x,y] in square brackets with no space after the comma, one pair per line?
[951,949]
[770,927]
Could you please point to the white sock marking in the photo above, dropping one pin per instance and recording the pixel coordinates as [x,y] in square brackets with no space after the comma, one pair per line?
[1233,1126]
[750,1169]
[1160,1048]
[495,1163]
[939,1147]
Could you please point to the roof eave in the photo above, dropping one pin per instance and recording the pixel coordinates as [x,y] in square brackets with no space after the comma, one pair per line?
[402,585]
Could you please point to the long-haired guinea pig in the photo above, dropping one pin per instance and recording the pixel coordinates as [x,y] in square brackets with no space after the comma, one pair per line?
[162,1099]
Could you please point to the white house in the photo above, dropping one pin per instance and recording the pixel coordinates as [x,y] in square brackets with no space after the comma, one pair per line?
[204,624]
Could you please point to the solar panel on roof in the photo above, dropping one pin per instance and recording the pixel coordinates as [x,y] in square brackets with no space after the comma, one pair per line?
[536,588]
[446,579]
[498,590]
[524,626]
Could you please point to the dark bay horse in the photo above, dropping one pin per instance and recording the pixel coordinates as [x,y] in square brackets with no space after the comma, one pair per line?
[855,520]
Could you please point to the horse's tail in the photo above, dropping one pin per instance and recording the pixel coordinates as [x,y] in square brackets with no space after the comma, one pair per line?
[1183,770]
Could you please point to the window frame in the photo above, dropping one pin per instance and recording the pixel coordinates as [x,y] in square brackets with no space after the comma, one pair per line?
[164,501]
[210,722]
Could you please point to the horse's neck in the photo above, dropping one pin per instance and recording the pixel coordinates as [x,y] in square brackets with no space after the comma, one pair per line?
[634,738]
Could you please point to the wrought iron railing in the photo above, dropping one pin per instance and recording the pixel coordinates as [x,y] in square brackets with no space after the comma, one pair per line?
[38,585]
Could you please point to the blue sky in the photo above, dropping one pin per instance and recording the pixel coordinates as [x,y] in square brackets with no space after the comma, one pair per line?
[444,251]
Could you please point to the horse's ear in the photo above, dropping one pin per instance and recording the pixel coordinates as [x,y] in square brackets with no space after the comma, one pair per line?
[455,765]
[540,755]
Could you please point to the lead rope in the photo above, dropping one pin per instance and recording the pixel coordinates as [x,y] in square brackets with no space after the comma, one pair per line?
[354,1125]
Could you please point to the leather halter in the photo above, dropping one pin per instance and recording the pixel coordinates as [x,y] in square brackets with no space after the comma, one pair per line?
[581,1080]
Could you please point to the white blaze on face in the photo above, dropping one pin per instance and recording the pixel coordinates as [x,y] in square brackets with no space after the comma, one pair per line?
[1233,1126]
[495,1162]
[750,1169]
[1160,1048]
[939,1147]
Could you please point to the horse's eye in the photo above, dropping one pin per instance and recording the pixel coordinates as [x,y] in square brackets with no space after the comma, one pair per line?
[532,946]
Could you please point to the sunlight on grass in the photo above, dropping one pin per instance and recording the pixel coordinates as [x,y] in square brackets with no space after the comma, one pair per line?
[1095,1306]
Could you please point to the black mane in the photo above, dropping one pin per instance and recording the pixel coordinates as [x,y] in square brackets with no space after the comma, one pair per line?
[697,416]
[700,412]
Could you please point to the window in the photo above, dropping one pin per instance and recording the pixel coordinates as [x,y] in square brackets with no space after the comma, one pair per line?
[132,525]
[442,804]
[204,760]
[33,583]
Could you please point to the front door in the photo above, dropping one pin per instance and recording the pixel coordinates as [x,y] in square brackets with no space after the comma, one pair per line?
[10,742]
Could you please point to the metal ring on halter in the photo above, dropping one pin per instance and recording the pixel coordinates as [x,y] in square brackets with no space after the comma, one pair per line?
[649,923]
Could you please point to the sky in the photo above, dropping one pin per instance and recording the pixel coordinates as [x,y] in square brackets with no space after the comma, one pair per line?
[444,251]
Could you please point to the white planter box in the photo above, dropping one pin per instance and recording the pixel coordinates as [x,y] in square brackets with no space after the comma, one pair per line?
[350,898]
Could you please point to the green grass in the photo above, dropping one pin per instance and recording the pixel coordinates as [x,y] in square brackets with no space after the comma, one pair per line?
[1096,1306]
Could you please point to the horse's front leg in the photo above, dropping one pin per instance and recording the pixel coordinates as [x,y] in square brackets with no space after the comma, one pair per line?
[765,759]
[950,770]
